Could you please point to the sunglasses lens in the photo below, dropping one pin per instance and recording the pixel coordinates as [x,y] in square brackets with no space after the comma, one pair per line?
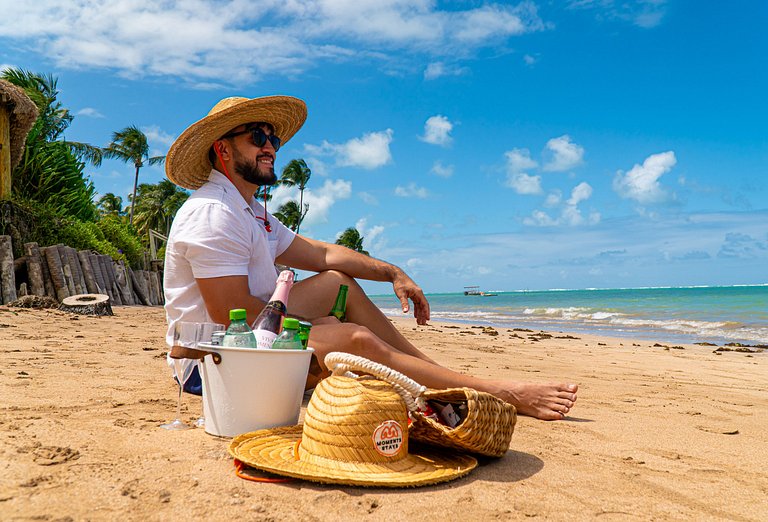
[260,138]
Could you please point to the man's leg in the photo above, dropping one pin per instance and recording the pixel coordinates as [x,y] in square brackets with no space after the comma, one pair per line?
[544,401]
[314,297]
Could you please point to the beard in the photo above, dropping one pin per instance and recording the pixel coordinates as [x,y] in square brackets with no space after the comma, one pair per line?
[253,172]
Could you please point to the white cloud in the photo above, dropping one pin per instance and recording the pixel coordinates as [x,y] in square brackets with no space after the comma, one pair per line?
[320,200]
[88,112]
[444,171]
[437,131]
[436,70]
[367,198]
[539,218]
[518,161]
[570,214]
[411,191]
[529,60]
[264,37]
[641,183]
[369,152]
[553,198]
[156,135]
[371,235]
[565,154]
[642,13]
[580,192]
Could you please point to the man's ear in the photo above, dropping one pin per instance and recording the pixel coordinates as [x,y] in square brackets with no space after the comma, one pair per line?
[222,148]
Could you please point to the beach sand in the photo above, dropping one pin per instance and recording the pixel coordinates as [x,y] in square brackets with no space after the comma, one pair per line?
[658,432]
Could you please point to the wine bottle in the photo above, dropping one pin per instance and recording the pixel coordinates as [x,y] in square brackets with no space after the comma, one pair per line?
[267,324]
[339,310]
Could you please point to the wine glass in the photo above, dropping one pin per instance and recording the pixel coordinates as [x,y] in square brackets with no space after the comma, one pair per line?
[205,333]
[185,336]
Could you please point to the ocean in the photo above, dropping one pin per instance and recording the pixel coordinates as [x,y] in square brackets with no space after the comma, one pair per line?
[715,314]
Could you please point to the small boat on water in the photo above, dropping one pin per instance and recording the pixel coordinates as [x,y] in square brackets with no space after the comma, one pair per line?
[475,290]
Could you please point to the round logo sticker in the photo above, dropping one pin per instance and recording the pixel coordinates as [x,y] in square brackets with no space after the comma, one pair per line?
[388,438]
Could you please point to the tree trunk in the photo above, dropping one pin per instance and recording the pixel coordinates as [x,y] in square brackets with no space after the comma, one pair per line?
[110,263]
[93,259]
[99,262]
[85,266]
[137,280]
[53,261]
[7,273]
[5,152]
[87,304]
[34,269]
[133,199]
[50,289]
[158,278]
[62,249]
[123,283]
[77,271]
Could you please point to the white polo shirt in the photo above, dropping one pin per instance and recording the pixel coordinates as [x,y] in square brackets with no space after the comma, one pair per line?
[216,233]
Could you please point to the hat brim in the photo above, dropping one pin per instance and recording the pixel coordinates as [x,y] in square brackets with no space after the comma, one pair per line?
[273,450]
[187,163]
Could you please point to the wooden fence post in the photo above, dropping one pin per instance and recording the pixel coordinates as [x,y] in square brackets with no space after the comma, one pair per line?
[53,260]
[7,273]
[34,269]
[87,269]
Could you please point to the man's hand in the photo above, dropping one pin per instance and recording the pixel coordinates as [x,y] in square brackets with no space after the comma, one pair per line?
[406,289]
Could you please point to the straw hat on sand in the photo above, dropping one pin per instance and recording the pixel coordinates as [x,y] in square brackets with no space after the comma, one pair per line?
[187,163]
[355,432]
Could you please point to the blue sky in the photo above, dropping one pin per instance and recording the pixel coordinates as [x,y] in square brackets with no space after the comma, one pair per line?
[549,144]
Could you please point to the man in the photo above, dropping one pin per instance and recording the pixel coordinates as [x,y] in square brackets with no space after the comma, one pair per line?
[223,245]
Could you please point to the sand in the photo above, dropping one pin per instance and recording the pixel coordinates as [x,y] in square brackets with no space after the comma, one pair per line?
[659,432]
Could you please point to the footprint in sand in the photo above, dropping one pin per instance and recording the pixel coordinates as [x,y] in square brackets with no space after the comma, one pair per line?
[51,455]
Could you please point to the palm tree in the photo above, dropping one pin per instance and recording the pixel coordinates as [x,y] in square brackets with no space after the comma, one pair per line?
[51,170]
[290,215]
[109,204]
[156,206]
[296,173]
[54,119]
[352,239]
[130,145]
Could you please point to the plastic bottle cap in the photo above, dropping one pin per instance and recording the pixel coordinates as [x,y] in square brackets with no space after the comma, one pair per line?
[291,323]
[238,314]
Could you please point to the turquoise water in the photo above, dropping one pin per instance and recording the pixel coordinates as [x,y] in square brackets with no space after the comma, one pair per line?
[717,314]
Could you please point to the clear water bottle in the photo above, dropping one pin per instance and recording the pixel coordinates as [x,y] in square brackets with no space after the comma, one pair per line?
[239,334]
[289,338]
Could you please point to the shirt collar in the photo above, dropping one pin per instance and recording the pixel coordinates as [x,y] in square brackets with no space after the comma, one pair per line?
[219,179]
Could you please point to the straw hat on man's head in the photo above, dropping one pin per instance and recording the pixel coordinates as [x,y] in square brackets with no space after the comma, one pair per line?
[355,432]
[187,163]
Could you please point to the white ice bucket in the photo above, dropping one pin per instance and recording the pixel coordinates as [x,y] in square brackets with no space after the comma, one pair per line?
[250,389]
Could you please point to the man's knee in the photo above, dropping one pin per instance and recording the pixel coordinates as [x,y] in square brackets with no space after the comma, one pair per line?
[362,338]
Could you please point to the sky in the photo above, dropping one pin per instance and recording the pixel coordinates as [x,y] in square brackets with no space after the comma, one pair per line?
[509,145]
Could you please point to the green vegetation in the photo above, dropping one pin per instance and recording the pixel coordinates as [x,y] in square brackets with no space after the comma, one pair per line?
[130,145]
[52,198]
[352,239]
[297,174]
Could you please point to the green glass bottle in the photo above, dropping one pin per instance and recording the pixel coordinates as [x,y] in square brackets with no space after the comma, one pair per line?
[339,310]
[304,328]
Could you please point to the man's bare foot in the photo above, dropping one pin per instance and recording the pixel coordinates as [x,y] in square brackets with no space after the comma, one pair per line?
[549,401]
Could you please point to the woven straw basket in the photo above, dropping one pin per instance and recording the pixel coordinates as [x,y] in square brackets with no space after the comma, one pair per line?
[487,428]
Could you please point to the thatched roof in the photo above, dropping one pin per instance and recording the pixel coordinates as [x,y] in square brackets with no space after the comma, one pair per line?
[23,113]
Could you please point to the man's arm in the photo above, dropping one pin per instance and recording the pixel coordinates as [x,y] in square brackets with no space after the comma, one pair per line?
[317,256]
[224,293]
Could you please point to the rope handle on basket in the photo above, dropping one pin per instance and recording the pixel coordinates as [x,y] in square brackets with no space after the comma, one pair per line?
[341,363]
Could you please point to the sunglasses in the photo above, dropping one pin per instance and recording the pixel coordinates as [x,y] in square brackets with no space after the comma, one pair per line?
[258,136]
